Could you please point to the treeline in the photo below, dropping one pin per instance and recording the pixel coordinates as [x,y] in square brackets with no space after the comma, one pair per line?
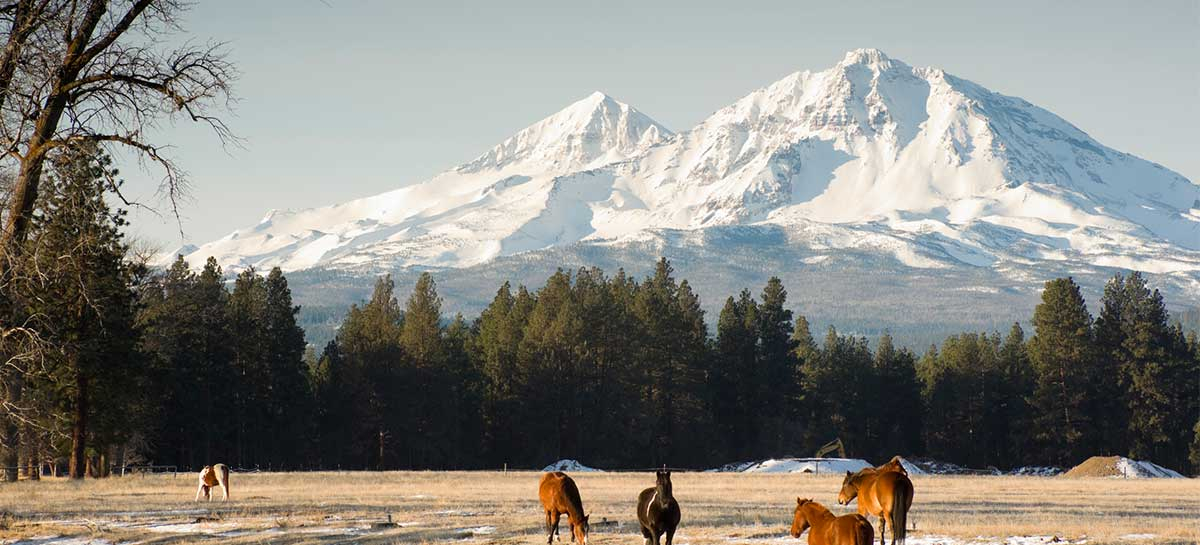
[622,372]
[119,363]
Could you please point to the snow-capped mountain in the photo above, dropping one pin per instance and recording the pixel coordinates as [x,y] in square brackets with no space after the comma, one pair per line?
[871,155]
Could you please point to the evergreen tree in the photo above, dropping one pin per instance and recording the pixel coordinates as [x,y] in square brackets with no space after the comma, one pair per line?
[1016,387]
[836,382]
[329,428]
[288,397]
[898,400]
[81,300]
[374,363]
[733,381]
[430,418]
[775,369]
[247,303]
[673,365]
[500,332]
[1063,358]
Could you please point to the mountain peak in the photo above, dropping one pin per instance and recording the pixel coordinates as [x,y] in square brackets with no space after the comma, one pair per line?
[595,129]
[867,57]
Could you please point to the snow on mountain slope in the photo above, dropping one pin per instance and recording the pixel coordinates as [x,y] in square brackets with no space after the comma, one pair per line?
[460,217]
[871,154]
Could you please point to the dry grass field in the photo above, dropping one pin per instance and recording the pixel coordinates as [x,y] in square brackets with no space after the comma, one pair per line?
[481,507]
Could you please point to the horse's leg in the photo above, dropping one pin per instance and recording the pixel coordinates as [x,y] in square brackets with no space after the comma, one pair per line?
[657,537]
[883,530]
[549,527]
[199,489]
[646,533]
[670,535]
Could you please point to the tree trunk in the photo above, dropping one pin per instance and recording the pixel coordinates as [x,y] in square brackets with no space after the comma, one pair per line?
[79,428]
[12,435]
[35,461]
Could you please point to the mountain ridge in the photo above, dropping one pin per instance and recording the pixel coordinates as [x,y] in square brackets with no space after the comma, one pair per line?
[870,153]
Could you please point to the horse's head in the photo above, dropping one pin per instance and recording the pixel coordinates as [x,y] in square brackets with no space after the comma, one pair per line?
[662,485]
[579,530]
[799,521]
[849,490]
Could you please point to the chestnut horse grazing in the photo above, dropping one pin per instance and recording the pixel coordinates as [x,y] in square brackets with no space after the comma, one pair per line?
[560,496]
[885,494]
[211,476]
[830,530]
[657,510]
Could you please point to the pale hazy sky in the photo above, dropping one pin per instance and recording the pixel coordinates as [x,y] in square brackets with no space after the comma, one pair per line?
[342,99]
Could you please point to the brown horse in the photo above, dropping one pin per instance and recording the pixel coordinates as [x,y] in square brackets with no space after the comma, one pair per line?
[560,496]
[211,476]
[657,510]
[885,494]
[830,530]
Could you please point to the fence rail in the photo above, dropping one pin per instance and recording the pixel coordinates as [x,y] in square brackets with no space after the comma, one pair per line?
[147,468]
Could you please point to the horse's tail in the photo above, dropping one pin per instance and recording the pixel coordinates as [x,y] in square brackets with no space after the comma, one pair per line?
[900,502]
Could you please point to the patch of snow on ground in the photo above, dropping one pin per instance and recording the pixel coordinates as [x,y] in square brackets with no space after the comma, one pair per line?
[818,466]
[731,468]
[568,465]
[911,468]
[933,540]
[1037,471]
[193,528]
[1143,469]
[57,540]
[1138,537]
[981,540]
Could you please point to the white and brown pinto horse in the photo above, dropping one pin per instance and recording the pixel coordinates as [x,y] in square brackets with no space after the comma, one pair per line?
[211,476]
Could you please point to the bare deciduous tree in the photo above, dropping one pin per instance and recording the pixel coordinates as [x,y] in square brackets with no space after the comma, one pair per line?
[78,72]
[99,71]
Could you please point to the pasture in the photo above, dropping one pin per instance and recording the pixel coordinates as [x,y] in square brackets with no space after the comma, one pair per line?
[493,507]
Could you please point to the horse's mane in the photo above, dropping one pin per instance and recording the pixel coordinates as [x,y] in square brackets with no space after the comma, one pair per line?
[816,511]
[574,501]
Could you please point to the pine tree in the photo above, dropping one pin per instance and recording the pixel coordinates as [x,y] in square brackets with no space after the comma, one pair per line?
[1063,357]
[898,399]
[421,335]
[671,356]
[431,418]
[81,300]
[1016,388]
[732,383]
[375,365]
[500,333]
[836,403]
[1111,404]
[776,367]
[288,396]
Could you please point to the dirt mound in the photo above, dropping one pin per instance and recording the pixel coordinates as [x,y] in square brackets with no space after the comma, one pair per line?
[1119,466]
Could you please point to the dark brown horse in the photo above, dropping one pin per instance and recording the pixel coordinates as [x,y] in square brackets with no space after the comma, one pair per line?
[657,510]
[885,494]
[560,496]
[830,530]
